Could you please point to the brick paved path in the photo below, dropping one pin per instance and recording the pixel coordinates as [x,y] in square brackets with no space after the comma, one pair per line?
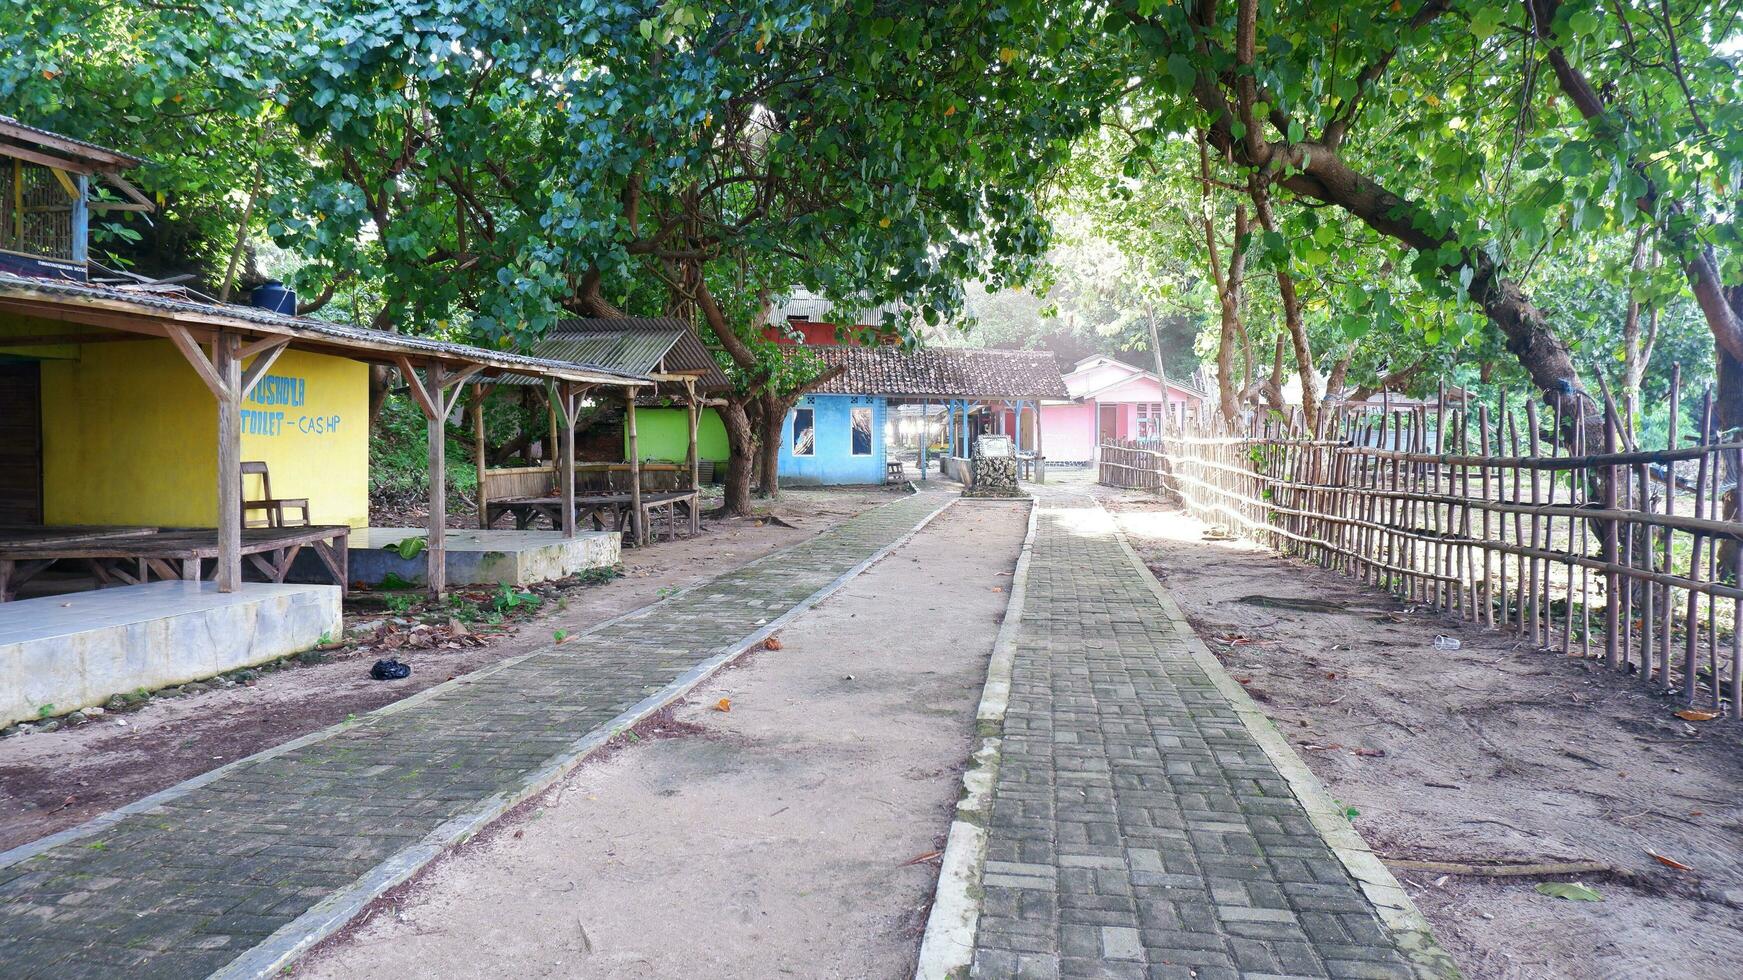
[187,886]
[1137,829]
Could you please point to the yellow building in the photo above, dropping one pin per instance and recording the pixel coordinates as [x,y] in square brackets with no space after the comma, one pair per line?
[129,435]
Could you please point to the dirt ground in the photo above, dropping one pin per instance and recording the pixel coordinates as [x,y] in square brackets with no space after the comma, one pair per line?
[49,781]
[776,839]
[1494,751]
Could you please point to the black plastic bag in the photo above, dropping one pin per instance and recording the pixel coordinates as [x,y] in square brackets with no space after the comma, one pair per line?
[390,670]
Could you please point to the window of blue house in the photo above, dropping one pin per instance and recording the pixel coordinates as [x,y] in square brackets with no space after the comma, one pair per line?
[804,431]
[862,432]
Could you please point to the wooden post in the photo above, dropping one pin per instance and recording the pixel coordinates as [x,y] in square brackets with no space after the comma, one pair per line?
[431,394]
[551,413]
[478,453]
[228,365]
[436,548]
[566,470]
[635,470]
[695,415]
[1040,456]
[925,435]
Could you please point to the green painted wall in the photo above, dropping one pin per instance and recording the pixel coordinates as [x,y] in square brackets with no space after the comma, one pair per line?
[663,434]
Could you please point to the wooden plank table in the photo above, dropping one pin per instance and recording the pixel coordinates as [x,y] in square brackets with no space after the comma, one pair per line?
[129,557]
[605,511]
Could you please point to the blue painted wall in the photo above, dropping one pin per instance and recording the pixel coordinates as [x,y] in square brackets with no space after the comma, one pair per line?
[832,460]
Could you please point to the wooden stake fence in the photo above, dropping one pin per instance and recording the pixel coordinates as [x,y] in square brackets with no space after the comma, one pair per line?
[1631,553]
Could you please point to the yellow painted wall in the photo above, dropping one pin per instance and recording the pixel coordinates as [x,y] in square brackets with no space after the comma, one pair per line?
[130,437]
[309,420]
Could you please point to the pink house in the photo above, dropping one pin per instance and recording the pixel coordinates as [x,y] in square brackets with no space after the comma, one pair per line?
[1110,399]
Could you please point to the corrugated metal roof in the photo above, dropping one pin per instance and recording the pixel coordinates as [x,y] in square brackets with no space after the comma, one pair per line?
[45,135]
[630,351]
[358,339]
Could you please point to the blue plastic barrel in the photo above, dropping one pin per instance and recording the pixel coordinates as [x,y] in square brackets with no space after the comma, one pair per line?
[272,295]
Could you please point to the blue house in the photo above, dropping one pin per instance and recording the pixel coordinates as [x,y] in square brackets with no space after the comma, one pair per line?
[836,433]
[834,439]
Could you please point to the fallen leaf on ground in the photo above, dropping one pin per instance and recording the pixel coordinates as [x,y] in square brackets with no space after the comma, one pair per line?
[772,643]
[1240,679]
[1372,753]
[724,704]
[1668,862]
[1573,891]
[1694,714]
[922,858]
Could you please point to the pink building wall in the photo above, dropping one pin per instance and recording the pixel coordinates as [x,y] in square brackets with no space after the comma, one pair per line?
[1068,431]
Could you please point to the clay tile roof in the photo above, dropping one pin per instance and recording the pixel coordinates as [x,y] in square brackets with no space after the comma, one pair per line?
[938,372]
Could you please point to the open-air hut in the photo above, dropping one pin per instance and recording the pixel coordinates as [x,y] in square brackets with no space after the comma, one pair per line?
[660,469]
[127,412]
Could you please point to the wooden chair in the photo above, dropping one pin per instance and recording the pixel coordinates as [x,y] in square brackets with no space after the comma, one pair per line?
[274,507]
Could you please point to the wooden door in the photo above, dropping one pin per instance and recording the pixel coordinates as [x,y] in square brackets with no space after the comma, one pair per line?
[20,443]
[1109,427]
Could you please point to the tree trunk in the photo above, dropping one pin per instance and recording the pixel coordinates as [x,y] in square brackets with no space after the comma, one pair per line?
[379,376]
[1728,409]
[741,446]
[773,417]
[1273,388]
[1228,285]
[1261,195]
[1636,349]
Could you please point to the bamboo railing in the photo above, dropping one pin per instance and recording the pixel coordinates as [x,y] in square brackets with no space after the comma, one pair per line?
[1505,517]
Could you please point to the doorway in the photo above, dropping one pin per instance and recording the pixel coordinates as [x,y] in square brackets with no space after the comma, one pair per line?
[20,443]
[1108,423]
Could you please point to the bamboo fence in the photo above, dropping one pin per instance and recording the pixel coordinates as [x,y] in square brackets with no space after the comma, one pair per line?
[1499,514]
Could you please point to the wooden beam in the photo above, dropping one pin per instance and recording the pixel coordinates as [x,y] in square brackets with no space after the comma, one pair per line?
[53,339]
[479,393]
[208,373]
[420,394]
[695,463]
[566,467]
[257,370]
[47,159]
[460,377]
[100,318]
[26,134]
[436,548]
[228,370]
[65,182]
[132,193]
[635,471]
[254,347]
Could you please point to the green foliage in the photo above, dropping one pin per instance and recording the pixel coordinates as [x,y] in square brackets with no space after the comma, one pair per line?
[409,548]
[507,599]
[1573,891]
[399,454]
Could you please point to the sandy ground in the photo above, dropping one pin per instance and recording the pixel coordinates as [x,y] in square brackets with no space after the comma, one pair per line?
[776,839]
[49,781]
[1494,751]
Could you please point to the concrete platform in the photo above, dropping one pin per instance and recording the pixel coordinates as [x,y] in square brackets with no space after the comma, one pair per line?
[74,651]
[483,557]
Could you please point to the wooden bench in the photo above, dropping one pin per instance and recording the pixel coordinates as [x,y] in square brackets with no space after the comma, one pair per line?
[602,497]
[606,511]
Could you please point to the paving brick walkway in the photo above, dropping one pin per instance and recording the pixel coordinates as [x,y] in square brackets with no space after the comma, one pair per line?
[189,885]
[1137,828]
